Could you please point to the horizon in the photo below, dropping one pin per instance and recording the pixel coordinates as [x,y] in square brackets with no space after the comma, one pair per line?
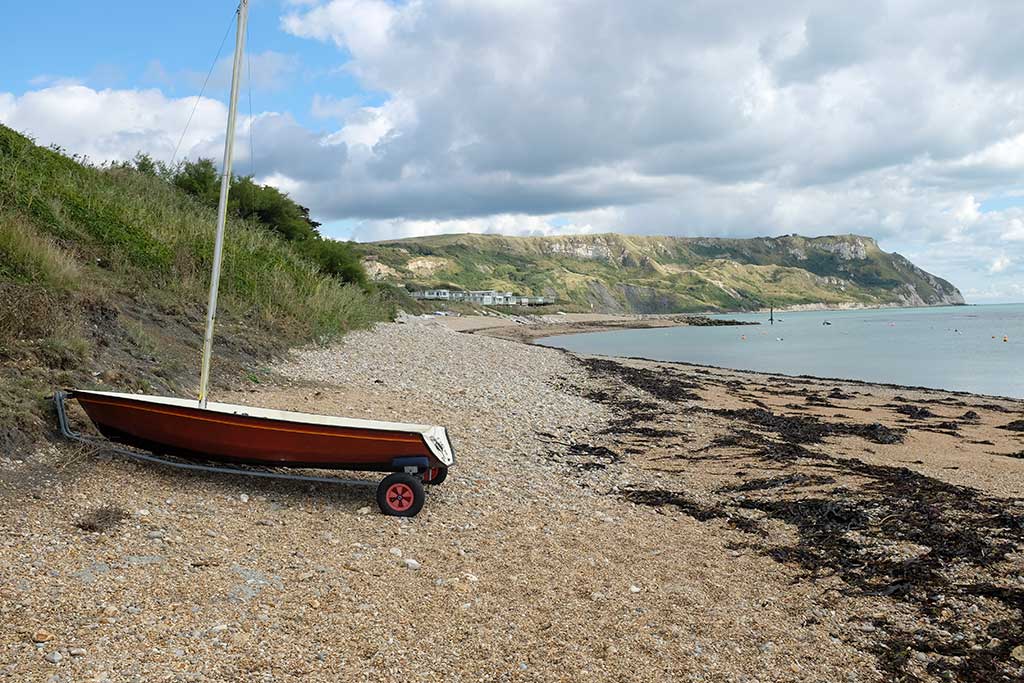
[405,119]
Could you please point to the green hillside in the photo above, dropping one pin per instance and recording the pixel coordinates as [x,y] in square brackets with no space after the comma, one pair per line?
[103,282]
[629,273]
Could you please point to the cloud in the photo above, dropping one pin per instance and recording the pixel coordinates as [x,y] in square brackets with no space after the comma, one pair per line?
[1001,263]
[114,124]
[107,125]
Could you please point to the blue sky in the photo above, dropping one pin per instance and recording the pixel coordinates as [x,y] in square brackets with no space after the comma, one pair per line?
[116,44]
[891,118]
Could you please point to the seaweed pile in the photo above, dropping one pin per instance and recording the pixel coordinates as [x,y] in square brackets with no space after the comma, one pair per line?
[947,555]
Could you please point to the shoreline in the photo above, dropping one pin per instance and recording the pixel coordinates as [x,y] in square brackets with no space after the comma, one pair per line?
[530,333]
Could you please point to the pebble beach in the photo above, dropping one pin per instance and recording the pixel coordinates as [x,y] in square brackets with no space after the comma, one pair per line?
[609,519]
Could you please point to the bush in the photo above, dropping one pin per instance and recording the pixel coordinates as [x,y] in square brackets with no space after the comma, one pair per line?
[335,258]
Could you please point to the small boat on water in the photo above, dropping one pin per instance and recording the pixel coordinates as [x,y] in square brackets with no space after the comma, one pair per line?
[242,436]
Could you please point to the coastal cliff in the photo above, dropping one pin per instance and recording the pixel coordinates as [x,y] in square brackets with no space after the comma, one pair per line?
[616,273]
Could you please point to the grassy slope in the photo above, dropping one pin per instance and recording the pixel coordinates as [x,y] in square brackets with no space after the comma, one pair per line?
[103,279]
[616,272]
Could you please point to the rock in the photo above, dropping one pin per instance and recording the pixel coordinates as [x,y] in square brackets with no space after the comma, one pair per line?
[410,563]
[363,510]
[1018,653]
[157,535]
[244,498]
[54,657]
[634,589]
[867,628]
[77,652]
[397,552]
[42,636]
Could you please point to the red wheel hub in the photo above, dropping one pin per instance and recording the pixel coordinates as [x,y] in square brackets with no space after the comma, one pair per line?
[432,474]
[400,497]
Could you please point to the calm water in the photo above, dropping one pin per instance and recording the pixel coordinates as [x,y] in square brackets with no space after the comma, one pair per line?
[957,347]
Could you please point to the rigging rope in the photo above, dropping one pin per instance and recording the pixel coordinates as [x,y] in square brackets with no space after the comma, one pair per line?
[205,82]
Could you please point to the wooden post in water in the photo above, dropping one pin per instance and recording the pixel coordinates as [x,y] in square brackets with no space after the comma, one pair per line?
[771,315]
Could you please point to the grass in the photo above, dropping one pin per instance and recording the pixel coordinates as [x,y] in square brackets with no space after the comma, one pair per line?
[27,256]
[104,273]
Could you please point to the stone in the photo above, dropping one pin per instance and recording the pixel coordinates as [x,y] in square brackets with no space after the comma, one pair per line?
[397,552]
[363,510]
[411,563]
[634,589]
[77,652]
[244,498]
[54,657]
[1018,653]
[42,636]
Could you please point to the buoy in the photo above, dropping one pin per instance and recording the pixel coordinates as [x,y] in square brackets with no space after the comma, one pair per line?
[1006,339]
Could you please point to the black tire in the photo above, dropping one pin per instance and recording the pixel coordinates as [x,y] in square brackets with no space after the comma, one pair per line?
[441,473]
[400,495]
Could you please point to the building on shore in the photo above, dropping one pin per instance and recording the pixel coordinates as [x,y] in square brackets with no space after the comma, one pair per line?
[483,297]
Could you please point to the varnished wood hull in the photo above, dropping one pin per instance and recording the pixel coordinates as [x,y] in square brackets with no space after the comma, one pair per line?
[247,435]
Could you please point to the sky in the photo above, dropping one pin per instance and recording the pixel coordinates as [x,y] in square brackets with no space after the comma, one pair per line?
[898,119]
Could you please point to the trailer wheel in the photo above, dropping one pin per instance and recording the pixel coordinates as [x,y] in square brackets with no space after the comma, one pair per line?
[400,495]
[435,476]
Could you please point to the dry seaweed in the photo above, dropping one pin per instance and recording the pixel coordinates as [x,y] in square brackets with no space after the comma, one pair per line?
[101,519]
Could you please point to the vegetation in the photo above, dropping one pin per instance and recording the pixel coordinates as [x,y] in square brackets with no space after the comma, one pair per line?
[665,274]
[264,205]
[104,275]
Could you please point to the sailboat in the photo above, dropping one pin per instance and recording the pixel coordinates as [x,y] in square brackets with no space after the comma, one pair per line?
[239,437]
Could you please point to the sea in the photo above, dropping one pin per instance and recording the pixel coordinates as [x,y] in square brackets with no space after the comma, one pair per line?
[979,349]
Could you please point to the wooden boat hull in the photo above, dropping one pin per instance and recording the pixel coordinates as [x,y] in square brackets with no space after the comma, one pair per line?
[241,434]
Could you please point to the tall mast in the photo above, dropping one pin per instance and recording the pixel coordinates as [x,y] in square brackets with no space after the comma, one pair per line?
[222,206]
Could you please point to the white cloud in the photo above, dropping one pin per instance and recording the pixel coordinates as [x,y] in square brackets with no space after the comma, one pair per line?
[114,124]
[999,264]
[361,26]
